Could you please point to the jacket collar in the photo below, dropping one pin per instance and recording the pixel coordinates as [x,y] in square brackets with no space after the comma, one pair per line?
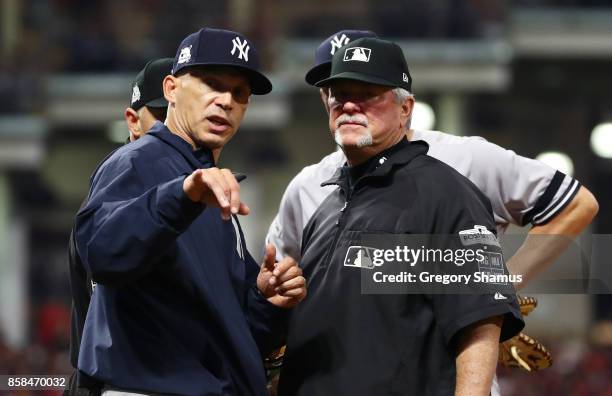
[400,154]
[200,158]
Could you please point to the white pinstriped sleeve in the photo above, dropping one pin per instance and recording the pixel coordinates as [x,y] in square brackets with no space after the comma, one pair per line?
[554,200]
[285,232]
[301,199]
[521,190]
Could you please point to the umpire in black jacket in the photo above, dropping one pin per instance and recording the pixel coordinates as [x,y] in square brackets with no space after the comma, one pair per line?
[344,341]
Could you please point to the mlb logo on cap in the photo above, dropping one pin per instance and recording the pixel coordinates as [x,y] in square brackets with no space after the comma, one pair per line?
[370,60]
[357,54]
[327,49]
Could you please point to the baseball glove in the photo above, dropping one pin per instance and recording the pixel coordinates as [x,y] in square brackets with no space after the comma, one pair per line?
[523,351]
[273,364]
[275,360]
[527,304]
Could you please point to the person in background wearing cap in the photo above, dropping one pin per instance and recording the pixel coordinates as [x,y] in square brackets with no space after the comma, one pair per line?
[342,341]
[521,190]
[180,306]
[147,105]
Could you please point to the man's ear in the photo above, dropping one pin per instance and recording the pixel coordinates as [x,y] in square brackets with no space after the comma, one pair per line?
[133,123]
[170,84]
[406,111]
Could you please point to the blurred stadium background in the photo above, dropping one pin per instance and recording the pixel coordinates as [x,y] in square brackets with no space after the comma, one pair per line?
[531,75]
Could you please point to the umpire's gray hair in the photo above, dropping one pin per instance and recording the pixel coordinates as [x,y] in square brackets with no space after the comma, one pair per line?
[401,94]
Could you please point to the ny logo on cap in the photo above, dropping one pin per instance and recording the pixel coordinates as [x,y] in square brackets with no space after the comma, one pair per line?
[357,54]
[135,94]
[336,42]
[185,55]
[405,77]
[242,47]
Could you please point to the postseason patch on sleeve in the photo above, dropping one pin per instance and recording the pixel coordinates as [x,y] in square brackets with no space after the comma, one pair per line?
[477,236]
[491,266]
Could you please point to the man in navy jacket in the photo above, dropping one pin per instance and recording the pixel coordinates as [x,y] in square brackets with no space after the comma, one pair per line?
[178,308]
[147,105]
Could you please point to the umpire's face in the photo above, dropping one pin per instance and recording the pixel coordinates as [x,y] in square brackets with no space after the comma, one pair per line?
[208,104]
[365,116]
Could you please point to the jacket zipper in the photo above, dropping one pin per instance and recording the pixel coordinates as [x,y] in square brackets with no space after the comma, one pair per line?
[343,212]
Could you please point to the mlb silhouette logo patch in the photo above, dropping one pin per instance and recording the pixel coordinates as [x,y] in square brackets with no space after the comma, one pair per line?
[359,256]
[359,54]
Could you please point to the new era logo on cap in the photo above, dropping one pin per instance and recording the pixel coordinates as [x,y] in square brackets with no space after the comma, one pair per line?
[357,54]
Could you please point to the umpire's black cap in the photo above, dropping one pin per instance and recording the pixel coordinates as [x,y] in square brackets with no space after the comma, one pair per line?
[370,60]
[218,47]
[326,50]
[147,88]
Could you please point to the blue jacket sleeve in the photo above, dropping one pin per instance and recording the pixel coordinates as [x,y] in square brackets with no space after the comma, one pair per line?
[126,225]
[268,323]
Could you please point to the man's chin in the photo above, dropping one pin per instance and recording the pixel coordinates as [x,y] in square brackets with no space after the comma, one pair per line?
[212,141]
[352,140]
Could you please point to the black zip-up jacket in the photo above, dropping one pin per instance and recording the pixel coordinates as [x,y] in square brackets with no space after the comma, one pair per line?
[342,341]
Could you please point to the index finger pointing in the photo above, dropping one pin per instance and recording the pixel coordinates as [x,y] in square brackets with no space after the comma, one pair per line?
[234,189]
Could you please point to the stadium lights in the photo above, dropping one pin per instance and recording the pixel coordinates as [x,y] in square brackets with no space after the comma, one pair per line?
[601,140]
[423,116]
[557,160]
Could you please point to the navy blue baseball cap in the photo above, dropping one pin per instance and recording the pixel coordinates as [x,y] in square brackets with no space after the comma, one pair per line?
[218,47]
[327,49]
